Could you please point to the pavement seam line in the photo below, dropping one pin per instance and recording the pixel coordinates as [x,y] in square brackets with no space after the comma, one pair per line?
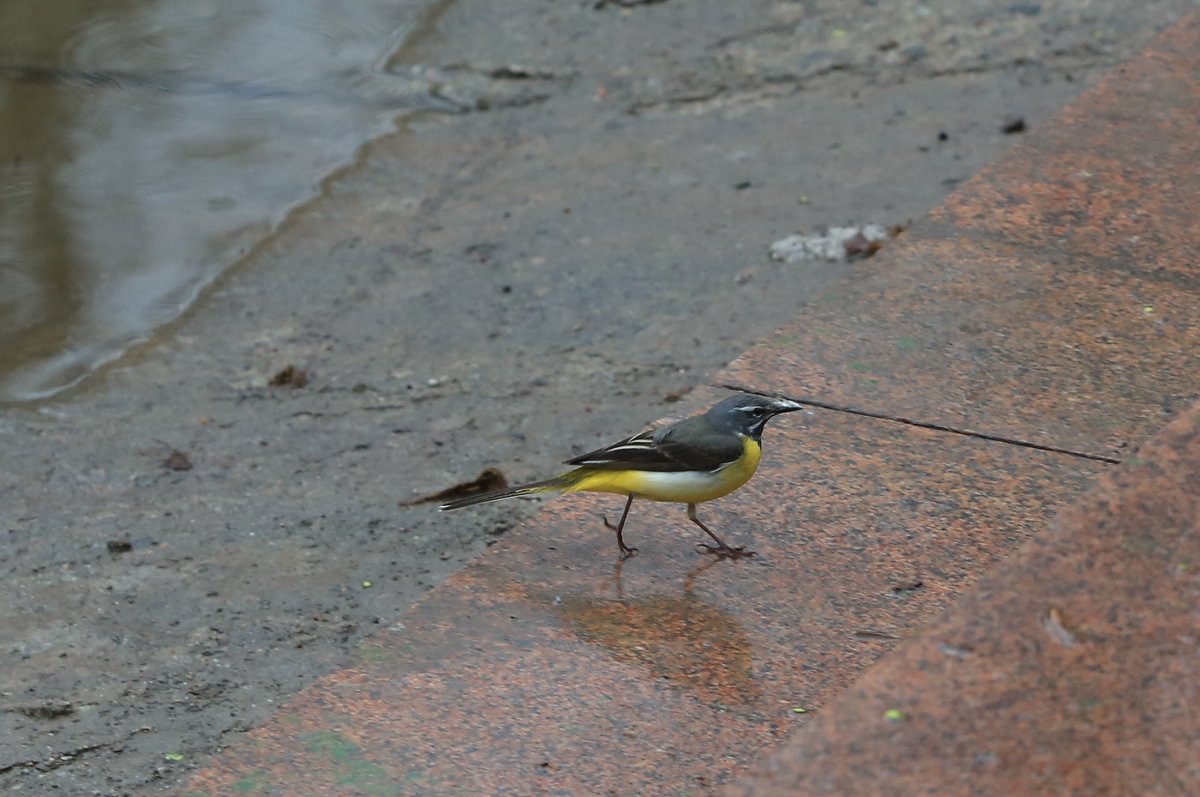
[58,760]
[936,427]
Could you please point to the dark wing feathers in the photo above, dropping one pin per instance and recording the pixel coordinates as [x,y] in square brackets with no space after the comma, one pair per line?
[639,451]
[698,446]
[687,445]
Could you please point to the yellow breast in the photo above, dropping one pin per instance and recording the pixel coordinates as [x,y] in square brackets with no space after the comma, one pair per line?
[691,487]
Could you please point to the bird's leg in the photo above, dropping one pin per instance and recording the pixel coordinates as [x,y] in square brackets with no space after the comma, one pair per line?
[626,551]
[720,549]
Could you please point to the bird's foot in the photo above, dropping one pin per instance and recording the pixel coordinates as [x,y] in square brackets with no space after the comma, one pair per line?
[626,551]
[725,552]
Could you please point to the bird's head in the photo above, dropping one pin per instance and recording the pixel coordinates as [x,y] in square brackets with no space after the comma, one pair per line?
[747,414]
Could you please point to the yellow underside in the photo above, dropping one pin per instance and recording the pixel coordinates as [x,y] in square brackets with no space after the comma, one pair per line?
[690,488]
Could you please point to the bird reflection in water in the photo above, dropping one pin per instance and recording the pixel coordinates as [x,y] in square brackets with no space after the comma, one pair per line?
[682,638]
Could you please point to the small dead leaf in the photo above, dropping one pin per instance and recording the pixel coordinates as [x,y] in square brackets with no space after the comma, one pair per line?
[177,460]
[290,376]
[518,72]
[860,247]
[489,479]
[867,633]
[1052,621]
[1013,124]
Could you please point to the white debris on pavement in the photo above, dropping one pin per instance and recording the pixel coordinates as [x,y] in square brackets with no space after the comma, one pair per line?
[829,246]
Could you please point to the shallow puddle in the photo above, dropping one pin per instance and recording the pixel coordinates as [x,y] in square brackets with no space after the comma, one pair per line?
[146,146]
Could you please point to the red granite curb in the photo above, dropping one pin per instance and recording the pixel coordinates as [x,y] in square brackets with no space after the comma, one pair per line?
[1051,299]
[547,667]
[1073,668]
[1052,302]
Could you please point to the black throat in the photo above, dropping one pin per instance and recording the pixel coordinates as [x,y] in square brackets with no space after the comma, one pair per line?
[755,431]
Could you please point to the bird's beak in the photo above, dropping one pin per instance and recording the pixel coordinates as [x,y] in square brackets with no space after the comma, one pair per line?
[783,405]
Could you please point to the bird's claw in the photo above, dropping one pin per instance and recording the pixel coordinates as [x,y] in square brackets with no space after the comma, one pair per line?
[626,551]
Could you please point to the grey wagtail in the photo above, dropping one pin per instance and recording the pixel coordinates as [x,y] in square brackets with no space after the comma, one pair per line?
[689,462]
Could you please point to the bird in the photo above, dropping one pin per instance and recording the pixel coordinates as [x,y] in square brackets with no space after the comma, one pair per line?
[689,462]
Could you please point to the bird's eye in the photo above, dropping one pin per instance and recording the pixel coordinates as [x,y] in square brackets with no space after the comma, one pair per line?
[758,412]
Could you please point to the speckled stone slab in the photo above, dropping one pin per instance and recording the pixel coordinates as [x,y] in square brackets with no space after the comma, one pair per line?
[547,668]
[1071,669]
[1064,354]
[1052,299]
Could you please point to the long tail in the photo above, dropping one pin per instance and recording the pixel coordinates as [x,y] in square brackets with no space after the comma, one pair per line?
[544,486]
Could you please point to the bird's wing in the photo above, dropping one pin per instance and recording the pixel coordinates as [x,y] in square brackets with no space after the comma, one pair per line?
[683,446]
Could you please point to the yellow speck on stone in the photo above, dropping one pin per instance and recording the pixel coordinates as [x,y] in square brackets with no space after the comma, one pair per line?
[894,715]
[366,585]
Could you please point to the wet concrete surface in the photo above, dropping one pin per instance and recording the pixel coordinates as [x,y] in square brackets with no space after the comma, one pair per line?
[145,151]
[505,287]
[535,671]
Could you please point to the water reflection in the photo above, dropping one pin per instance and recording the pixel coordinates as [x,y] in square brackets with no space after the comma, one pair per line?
[679,637]
[144,146]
